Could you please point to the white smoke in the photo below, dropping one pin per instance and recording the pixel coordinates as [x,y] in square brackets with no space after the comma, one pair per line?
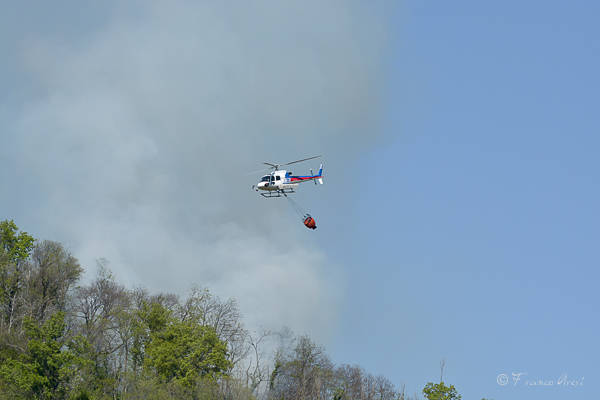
[136,146]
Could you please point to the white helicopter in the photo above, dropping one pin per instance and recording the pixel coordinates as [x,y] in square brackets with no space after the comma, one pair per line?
[281,182]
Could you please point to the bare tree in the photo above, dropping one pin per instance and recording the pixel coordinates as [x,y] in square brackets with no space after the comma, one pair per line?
[384,389]
[256,372]
[401,395]
[306,373]
[52,273]
[350,380]
[101,315]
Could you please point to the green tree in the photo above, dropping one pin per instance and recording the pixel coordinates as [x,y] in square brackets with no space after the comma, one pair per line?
[184,351]
[45,369]
[439,391]
[15,248]
[148,320]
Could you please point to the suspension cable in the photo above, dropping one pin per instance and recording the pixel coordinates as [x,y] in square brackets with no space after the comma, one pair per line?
[299,210]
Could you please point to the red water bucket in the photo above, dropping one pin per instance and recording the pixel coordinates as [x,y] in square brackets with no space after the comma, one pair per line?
[309,222]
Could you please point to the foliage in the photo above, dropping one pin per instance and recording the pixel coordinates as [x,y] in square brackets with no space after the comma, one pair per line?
[46,368]
[14,252]
[439,391]
[100,340]
[183,350]
[16,246]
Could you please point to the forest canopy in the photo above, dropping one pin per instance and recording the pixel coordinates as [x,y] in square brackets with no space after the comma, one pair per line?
[61,338]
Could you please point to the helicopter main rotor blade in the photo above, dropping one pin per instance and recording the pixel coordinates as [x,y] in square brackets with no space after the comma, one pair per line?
[258,170]
[297,161]
[276,166]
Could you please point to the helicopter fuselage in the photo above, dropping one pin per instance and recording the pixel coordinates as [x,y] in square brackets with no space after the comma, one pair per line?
[282,182]
[277,180]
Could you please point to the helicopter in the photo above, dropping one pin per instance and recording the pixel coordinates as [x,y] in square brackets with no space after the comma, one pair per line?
[281,182]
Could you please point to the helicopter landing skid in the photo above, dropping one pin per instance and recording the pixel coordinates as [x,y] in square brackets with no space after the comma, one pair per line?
[277,193]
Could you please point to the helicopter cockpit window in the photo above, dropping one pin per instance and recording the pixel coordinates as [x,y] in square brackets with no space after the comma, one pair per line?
[265,178]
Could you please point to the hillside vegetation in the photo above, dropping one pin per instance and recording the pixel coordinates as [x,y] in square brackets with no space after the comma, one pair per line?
[62,339]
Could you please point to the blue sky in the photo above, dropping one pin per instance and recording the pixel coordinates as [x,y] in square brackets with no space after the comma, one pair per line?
[458,217]
[478,238]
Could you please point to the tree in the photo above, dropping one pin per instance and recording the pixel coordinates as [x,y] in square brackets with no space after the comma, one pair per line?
[306,373]
[100,312]
[45,369]
[103,341]
[52,273]
[14,252]
[439,391]
[184,351]
[203,308]
[16,246]
[255,373]
[384,389]
[352,382]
